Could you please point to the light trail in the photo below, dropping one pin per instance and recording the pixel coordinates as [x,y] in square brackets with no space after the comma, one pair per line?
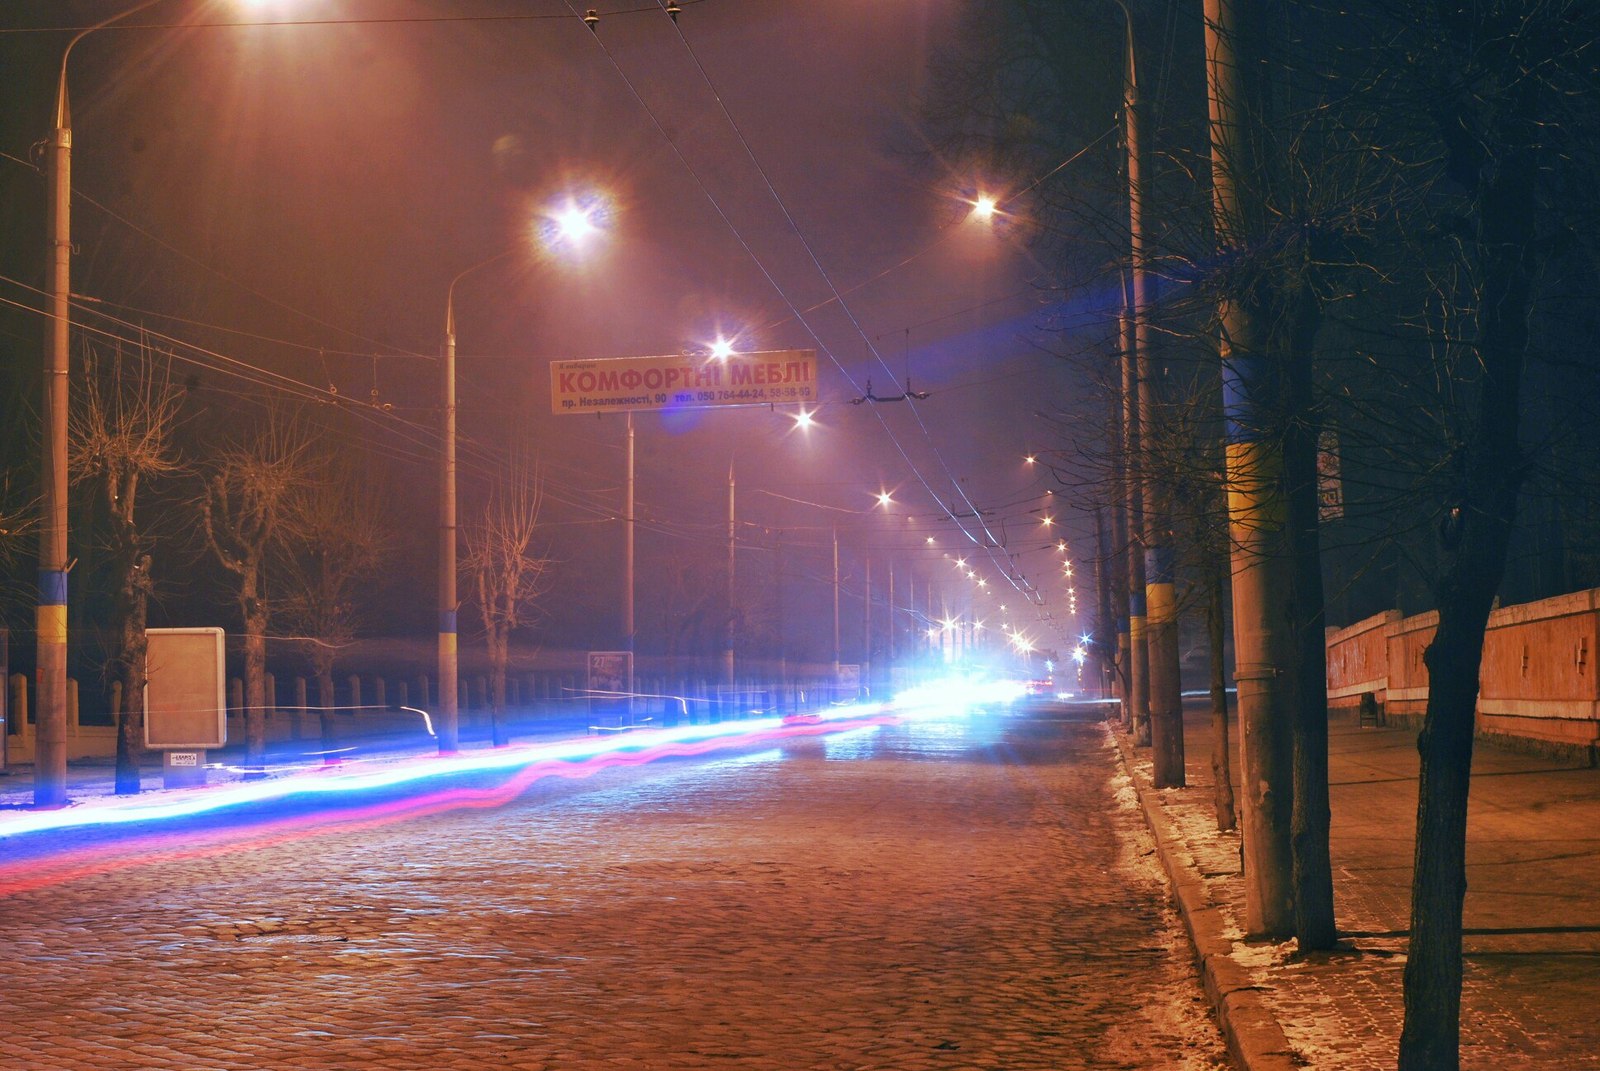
[354,778]
[74,864]
[338,799]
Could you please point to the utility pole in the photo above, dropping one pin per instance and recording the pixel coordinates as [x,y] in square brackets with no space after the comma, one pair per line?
[1262,567]
[727,646]
[1165,690]
[628,631]
[1138,697]
[866,618]
[893,625]
[50,616]
[836,607]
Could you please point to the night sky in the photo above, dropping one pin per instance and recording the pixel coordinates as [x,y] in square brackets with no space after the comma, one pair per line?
[289,203]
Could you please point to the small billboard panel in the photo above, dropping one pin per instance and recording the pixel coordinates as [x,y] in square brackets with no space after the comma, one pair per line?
[185,692]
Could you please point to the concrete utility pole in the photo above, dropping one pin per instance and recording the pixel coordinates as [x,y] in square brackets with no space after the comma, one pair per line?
[866,618]
[627,559]
[50,619]
[1262,567]
[1138,697]
[727,646]
[836,606]
[1165,691]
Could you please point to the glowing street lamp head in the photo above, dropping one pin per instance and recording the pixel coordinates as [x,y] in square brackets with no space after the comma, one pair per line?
[721,349]
[884,498]
[573,224]
[803,419]
[984,207]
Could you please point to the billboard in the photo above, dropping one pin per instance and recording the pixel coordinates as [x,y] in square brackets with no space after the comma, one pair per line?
[620,384]
[185,703]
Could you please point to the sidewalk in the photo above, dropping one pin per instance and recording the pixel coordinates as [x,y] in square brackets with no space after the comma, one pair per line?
[1532,917]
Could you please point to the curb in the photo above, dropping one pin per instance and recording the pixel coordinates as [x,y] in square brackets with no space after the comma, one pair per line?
[1255,1039]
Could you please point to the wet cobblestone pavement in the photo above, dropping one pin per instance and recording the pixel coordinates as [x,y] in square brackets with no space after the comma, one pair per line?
[976,892]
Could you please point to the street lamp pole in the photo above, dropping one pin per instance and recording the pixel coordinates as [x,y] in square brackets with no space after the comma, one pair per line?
[447,704]
[627,558]
[50,755]
[836,606]
[727,648]
[1164,690]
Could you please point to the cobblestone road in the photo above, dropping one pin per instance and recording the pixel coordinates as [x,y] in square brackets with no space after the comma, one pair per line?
[969,893]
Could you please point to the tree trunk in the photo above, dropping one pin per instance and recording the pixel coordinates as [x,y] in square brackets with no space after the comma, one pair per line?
[1221,764]
[1314,925]
[327,700]
[1475,533]
[255,689]
[133,600]
[499,656]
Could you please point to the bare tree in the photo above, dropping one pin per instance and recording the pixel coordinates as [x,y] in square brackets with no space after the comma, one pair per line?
[334,538]
[505,574]
[1509,87]
[243,507]
[122,436]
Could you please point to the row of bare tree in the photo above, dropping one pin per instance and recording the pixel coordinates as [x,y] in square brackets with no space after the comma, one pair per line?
[298,526]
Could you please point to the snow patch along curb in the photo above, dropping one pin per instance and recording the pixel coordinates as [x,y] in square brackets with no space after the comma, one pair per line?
[1255,1038]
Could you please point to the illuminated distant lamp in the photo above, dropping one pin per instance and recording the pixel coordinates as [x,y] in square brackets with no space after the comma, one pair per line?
[985,207]
[883,498]
[804,419]
[722,349]
[1030,459]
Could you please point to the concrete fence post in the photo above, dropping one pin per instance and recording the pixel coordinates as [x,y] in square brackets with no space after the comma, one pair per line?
[20,725]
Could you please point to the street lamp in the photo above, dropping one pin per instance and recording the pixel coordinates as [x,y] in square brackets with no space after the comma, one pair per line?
[50,754]
[448,727]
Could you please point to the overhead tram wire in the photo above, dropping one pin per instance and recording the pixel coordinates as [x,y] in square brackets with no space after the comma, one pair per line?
[798,315]
[380,346]
[184,352]
[477,457]
[639,9]
[823,273]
